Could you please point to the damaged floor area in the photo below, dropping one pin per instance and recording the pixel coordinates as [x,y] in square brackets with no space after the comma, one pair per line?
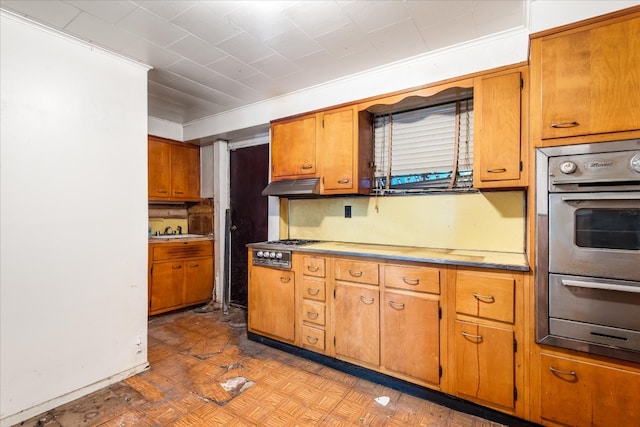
[204,372]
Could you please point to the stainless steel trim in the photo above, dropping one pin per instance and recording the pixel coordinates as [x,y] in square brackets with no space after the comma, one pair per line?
[601,196]
[598,285]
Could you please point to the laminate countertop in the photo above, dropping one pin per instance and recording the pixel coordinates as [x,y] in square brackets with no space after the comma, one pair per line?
[473,258]
[177,238]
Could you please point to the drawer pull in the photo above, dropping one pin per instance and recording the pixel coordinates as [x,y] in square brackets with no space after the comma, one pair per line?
[412,282]
[312,340]
[484,298]
[355,273]
[194,265]
[313,292]
[467,335]
[562,125]
[176,267]
[396,305]
[497,170]
[559,372]
[312,315]
[285,279]
[161,191]
[179,192]
[366,300]
[307,166]
[313,268]
[344,181]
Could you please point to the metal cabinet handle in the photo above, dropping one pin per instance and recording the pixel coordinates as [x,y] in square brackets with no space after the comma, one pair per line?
[176,267]
[412,282]
[559,372]
[313,268]
[497,170]
[366,300]
[313,292]
[312,340]
[562,125]
[465,334]
[484,298]
[344,181]
[396,305]
[355,273]
[285,279]
[307,166]
[312,315]
[194,265]
[161,191]
[179,192]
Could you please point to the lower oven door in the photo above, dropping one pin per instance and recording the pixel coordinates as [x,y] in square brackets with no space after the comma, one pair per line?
[595,234]
[597,311]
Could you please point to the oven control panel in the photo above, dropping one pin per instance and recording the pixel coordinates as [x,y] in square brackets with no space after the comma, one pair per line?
[272,258]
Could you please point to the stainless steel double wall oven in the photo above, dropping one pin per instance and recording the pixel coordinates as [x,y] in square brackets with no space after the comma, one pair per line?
[588,248]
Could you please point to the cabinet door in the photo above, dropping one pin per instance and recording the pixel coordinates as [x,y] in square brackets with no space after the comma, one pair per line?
[336,151]
[185,172]
[357,323]
[590,79]
[485,368]
[167,280]
[411,336]
[580,394]
[159,167]
[293,149]
[497,143]
[271,302]
[199,280]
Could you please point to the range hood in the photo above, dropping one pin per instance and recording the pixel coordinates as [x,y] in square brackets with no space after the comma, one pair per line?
[293,188]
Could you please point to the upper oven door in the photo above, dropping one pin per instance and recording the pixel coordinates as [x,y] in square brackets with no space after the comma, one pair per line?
[595,234]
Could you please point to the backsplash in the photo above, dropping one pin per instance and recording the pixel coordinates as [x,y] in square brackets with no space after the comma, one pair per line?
[492,221]
[159,224]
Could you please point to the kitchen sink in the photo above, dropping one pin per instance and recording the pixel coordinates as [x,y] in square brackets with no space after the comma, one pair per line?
[175,236]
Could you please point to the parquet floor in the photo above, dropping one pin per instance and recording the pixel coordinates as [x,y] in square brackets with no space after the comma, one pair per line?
[205,372]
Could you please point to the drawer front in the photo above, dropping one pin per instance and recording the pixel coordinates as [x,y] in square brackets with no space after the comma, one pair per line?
[313,338]
[314,290]
[356,271]
[491,297]
[182,250]
[420,279]
[314,266]
[313,312]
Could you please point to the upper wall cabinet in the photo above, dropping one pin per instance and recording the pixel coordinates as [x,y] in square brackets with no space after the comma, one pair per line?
[500,103]
[586,81]
[174,171]
[293,148]
[344,151]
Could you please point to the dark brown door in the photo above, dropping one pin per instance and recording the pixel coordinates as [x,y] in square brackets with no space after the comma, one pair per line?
[249,175]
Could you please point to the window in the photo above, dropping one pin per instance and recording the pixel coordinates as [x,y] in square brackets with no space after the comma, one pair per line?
[425,149]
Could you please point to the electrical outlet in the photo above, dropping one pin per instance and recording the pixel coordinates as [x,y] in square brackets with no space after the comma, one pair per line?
[347,211]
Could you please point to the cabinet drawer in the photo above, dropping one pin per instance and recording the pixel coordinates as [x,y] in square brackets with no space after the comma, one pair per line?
[480,295]
[313,266]
[313,338]
[356,271]
[421,279]
[313,312]
[182,250]
[314,290]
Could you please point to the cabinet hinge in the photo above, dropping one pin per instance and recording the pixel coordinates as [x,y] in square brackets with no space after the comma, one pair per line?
[334,341]
[515,345]
[334,296]
[521,83]
[149,303]
[520,165]
[439,312]
[440,371]
[515,394]
[151,271]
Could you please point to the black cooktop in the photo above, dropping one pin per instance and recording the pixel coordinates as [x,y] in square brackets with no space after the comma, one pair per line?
[291,242]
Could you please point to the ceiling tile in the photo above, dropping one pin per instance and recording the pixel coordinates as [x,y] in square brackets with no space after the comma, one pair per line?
[377,14]
[245,47]
[197,50]
[265,84]
[439,36]
[303,46]
[151,27]
[317,17]
[205,23]
[398,41]
[275,66]
[203,92]
[348,40]
[160,76]
[166,9]
[54,13]
[260,19]
[111,11]
[430,13]
[232,68]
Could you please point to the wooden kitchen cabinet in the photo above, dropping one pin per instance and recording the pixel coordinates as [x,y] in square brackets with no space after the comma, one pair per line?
[173,170]
[585,81]
[577,393]
[180,275]
[500,115]
[271,305]
[293,148]
[345,151]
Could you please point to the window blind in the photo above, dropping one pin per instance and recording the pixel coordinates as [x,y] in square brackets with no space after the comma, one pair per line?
[425,149]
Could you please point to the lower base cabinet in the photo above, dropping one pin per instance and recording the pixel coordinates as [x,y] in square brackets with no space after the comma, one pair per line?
[271,308]
[575,393]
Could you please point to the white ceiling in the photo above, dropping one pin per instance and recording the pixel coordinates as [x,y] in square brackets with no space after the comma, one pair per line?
[212,56]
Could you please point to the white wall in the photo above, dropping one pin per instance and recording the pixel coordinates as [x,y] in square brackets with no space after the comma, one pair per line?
[73,218]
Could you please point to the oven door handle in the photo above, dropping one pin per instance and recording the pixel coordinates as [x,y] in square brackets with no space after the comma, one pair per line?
[603,286]
[621,196]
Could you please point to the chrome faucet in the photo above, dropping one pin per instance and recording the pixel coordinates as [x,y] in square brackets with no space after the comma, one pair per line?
[167,230]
